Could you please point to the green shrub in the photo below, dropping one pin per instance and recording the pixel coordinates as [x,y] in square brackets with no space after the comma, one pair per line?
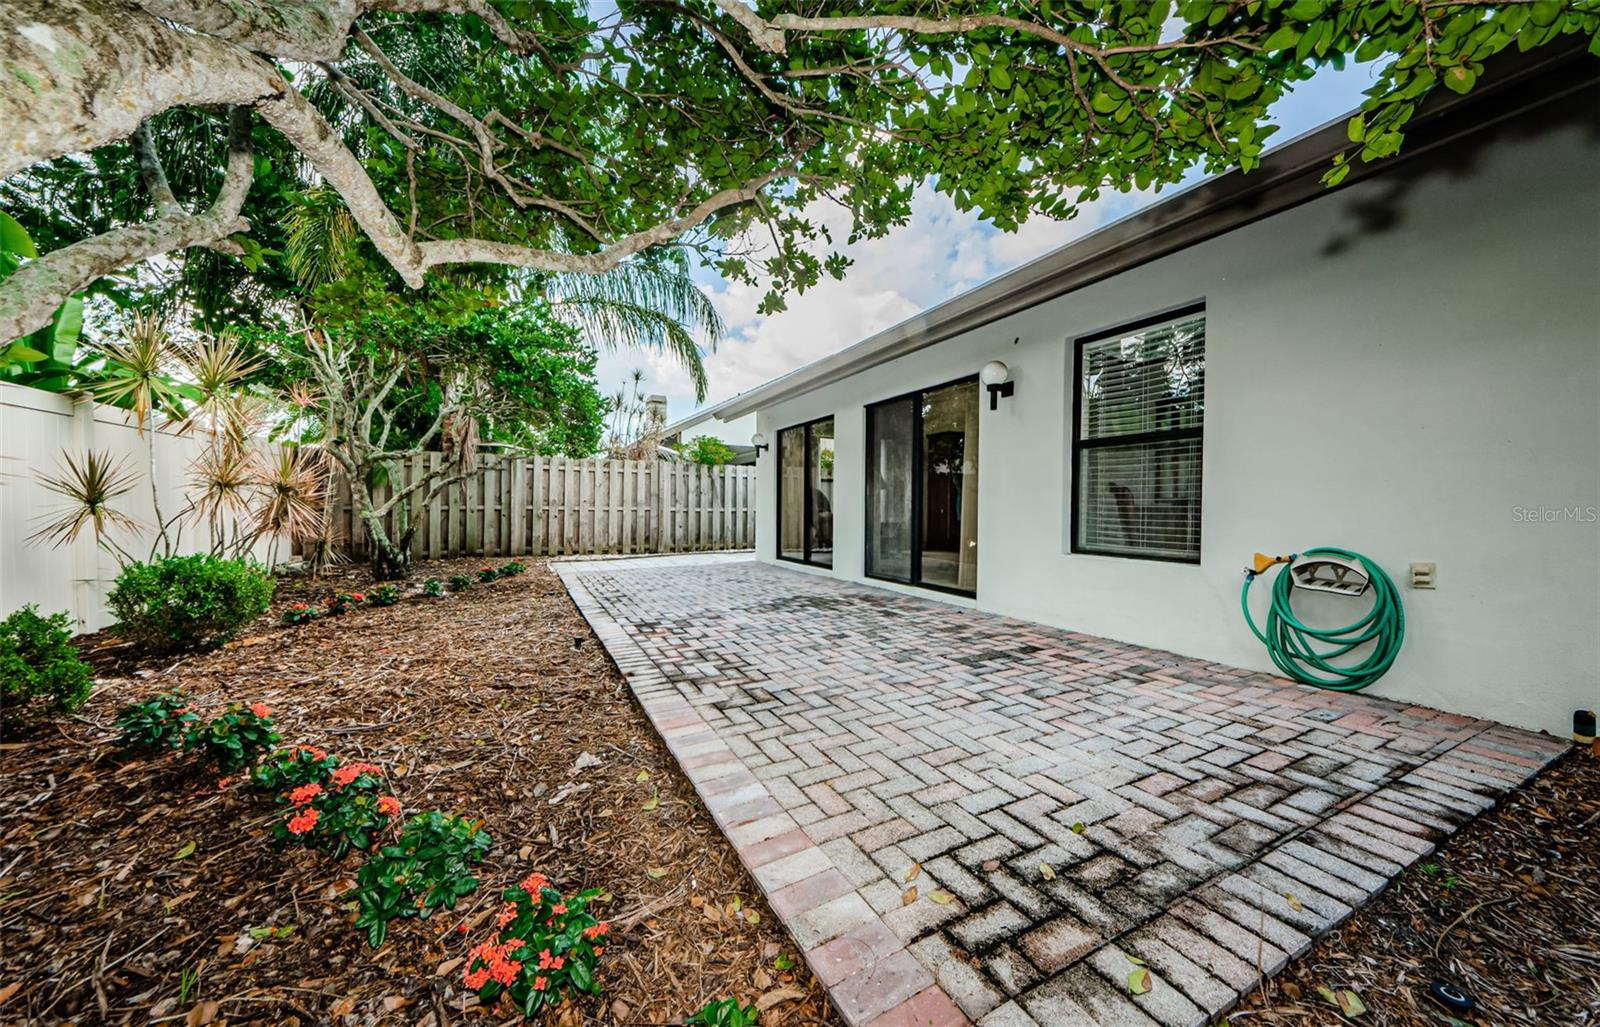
[460,582]
[725,1013]
[348,812]
[384,595]
[294,766]
[511,569]
[301,613]
[427,869]
[236,739]
[343,602]
[188,602]
[487,573]
[155,724]
[433,587]
[38,664]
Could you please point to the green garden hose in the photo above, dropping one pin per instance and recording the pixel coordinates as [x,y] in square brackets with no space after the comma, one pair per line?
[1294,645]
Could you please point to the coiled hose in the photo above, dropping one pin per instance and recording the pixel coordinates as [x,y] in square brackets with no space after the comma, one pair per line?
[1306,653]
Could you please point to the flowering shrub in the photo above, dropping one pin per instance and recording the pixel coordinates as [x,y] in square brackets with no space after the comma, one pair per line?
[344,602]
[301,613]
[511,569]
[429,867]
[725,1013]
[460,582]
[544,945]
[487,573]
[347,812]
[384,595]
[155,724]
[296,765]
[433,587]
[234,740]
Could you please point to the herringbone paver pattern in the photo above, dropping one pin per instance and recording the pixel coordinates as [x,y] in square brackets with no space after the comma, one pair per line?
[1072,802]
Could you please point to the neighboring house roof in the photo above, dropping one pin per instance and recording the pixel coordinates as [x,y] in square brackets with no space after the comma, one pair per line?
[1288,176]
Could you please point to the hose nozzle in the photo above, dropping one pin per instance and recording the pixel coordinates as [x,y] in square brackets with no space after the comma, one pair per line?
[1263,561]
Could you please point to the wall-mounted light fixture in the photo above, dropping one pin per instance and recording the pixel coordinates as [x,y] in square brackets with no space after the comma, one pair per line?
[997,377]
[759,441]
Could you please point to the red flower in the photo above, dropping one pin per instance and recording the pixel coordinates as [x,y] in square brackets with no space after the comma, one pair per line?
[514,944]
[223,782]
[461,928]
[539,983]
[350,771]
[535,883]
[508,913]
[597,951]
[260,709]
[360,597]
[560,907]
[305,793]
[389,806]
[303,821]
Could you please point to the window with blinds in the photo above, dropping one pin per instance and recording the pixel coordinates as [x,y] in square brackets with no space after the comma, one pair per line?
[1137,439]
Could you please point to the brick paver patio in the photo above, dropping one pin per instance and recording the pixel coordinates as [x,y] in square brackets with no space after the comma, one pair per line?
[1073,803]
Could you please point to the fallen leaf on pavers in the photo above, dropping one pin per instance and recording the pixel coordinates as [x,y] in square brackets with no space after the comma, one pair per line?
[911,875]
[185,852]
[203,1013]
[1047,871]
[1135,960]
[656,873]
[1294,903]
[1349,1002]
[943,898]
[1139,981]
[1077,828]
[778,996]
[908,896]
[653,803]
[990,865]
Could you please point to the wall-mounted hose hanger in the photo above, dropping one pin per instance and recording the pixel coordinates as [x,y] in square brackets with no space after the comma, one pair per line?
[1315,655]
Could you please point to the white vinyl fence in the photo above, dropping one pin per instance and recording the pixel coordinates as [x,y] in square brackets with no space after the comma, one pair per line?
[556,506]
[36,430]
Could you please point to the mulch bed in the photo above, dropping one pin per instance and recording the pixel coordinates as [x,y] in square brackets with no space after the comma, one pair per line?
[1508,909]
[480,703]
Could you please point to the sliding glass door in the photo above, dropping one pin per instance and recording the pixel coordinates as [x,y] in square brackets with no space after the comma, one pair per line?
[805,493]
[922,488]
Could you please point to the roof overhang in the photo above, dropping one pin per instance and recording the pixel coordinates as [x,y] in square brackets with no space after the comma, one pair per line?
[1288,176]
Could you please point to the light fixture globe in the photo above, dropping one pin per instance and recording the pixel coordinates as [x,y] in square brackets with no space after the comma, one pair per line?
[995,373]
[759,441]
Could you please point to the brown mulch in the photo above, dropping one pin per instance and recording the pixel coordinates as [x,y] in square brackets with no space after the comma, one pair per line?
[479,703]
[1507,909]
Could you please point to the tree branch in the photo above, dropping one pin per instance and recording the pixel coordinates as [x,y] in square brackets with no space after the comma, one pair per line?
[29,298]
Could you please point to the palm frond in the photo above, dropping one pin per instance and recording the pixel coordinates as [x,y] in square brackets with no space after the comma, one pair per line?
[89,487]
[319,238]
[642,305]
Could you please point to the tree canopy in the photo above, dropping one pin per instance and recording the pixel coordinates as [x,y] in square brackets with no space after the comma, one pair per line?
[565,138]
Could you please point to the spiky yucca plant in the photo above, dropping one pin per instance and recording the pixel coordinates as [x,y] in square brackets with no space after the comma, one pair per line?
[89,486]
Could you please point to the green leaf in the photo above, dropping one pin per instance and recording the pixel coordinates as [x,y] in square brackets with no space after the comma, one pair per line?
[19,353]
[999,77]
[185,852]
[14,238]
[1139,981]
[1460,78]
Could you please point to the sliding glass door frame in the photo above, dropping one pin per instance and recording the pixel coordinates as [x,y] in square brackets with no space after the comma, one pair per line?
[915,396]
[806,505]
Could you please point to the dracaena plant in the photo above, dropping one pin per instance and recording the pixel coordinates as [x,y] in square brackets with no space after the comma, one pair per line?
[428,868]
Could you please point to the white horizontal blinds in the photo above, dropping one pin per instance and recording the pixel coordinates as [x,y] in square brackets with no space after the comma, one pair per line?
[1141,411]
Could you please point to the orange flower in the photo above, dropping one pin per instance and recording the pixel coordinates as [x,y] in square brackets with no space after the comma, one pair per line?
[305,793]
[514,944]
[508,913]
[560,907]
[389,806]
[597,951]
[360,597]
[539,983]
[303,821]
[535,883]
[260,709]
[223,782]
[350,771]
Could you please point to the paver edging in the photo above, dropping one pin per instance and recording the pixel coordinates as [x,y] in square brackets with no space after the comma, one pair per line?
[682,728]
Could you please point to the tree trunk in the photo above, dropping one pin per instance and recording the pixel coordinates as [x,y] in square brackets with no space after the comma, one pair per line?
[391,559]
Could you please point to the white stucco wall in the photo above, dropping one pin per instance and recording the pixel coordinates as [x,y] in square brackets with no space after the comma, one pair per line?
[1450,318]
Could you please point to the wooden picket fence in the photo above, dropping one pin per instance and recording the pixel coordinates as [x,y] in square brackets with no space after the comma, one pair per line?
[555,506]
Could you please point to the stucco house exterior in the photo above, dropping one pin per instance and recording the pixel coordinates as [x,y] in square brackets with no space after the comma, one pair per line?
[1407,365]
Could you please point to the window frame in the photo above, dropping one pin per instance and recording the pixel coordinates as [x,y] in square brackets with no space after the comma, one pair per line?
[805,483]
[915,395]
[1081,445]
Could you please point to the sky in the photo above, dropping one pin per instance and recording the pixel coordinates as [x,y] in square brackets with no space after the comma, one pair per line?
[939,253]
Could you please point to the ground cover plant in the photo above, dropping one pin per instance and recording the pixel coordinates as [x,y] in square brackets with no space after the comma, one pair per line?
[466,705]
